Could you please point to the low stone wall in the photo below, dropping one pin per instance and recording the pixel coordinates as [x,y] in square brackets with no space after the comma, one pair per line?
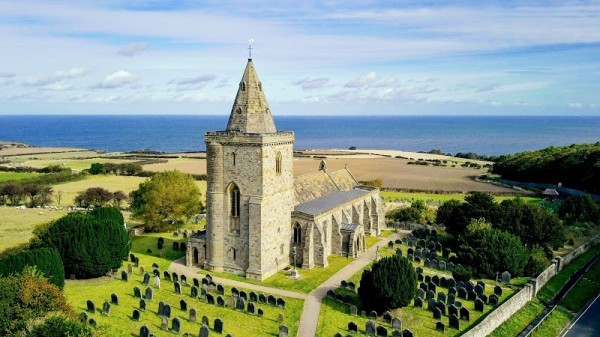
[522,297]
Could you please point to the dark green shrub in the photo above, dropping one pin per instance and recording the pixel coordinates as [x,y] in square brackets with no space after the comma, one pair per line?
[90,244]
[461,273]
[60,326]
[46,260]
[389,284]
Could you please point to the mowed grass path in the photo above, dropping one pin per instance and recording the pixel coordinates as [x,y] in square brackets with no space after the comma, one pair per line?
[335,316]
[120,321]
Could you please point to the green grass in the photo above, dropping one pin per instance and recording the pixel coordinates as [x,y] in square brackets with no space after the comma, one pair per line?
[520,320]
[16,225]
[409,196]
[553,325]
[553,286]
[334,316]
[371,240]
[11,176]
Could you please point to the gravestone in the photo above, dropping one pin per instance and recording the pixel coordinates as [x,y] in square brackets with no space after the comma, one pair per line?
[192,316]
[462,293]
[451,291]
[141,270]
[431,304]
[382,331]
[177,287]
[161,308]
[398,252]
[434,263]
[83,317]
[483,298]
[446,252]
[220,290]
[137,292]
[478,289]
[220,301]
[114,299]
[353,327]
[450,266]
[166,275]
[203,291]
[253,297]
[146,279]
[430,295]
[149,294]
[493,300]
[432,286]
[370,328]
[351,286]
[363,313]
[183,279]
[442,306]
[137,261]
[243,295]
[420,277]
[390,244]
[205,320]
[206,281]
[454,322]
[410,257]
[231,302]
[465,314]
[410,251]
[175,277]
[260,312]
[441,297]
[353,310]
[183,305]
[423,286]
[451,283]
[218,325]
[418,303]
[281,302]
[156,272]
[469,286]
[498,290]
[419,270]
[157,282]
[144,331]
[442,266]
[407,333]
[194,292]
[235,292]
[176,325]
[250,308]
[92,322]
[167,311]
[420,293]
[387,316]
[124,275]
[435,280]
[283,331]
[272,301]
[196,282]
[451,299]
[437,313]
[210,299]
[240,304]
[479,305]
[262,298]
[427,263]
[472,295]
[439,326]
[443,282]
[396,324]
[452,310]
[458,304]
[373,314]
[203,331]
[106,308]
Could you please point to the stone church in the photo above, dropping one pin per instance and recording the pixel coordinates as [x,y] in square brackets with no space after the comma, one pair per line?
[257,212]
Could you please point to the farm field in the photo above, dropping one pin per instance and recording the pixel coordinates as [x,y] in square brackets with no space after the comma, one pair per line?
[8,176]
[16,225]
[30,150]
[434,197]
[76,164]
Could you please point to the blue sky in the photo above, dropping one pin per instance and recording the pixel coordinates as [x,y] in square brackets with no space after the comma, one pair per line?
[323,57]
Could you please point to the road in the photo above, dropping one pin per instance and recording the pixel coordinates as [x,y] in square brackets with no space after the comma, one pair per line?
[588,323]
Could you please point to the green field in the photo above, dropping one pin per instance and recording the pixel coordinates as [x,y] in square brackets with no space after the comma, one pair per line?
[335,316]
[438,197]
[11,176]
[16,225]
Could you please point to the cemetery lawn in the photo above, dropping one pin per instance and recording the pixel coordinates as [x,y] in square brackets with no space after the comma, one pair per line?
[335,316]
[120,321]
[16,225]
[10,176]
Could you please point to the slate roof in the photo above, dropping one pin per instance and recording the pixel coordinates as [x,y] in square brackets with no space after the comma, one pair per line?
[329,201]
[317,184]
[199,235]
[350,227]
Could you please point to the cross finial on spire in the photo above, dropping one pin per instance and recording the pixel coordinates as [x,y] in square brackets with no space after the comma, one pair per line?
[250,42]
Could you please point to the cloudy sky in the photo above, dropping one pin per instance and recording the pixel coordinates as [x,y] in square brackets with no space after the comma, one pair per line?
[322,57]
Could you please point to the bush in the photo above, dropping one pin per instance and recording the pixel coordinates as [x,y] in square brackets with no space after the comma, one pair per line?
[538,261]
[90,244]
[46,260]
[461,273]
[389,284]
[61,326]
[579,208]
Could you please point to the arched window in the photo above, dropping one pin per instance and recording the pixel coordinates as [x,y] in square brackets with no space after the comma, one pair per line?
[234,208]
[233,158]
[278,163]
[235,201]
[232,253]
[297,233]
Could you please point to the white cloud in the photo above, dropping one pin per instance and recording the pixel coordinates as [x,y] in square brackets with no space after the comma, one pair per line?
[117,79]
[7,75]
[133,49]
[312,83]
[56,77]
[201,79]
[58,86]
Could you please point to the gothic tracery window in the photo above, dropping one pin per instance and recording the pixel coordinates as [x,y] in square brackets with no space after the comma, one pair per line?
[297,233]
[234,209]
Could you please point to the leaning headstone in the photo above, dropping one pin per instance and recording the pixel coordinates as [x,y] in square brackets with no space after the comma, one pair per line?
[176,325]
[149,294]
[283,331]
[144,331]
[90,306]
[370,328]
[106,308]
[454,322]
[146,279]
[142,304]
[439,326]
[498,290]
[465,314]
[396,324]
[218,325]
[506,277]
[177,287]
[192,315]
[183,305]
[382,331]
[124,275]
[114,299]
[203,331]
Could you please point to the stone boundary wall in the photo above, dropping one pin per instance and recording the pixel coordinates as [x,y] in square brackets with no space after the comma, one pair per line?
[522,297]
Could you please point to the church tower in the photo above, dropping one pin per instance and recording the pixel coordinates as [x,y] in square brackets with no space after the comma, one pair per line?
[249,188]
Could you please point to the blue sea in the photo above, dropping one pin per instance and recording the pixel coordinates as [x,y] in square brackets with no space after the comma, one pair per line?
[491,135]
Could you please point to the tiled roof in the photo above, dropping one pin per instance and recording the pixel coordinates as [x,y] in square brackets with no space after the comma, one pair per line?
[350,227]
[317,184]
[329,201]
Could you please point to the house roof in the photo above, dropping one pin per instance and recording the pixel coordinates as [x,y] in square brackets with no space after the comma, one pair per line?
[550,191]
[329,201]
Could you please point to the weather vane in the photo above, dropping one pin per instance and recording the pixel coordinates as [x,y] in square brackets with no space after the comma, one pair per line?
[250,42]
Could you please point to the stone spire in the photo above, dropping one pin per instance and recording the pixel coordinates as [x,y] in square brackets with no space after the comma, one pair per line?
[250,112]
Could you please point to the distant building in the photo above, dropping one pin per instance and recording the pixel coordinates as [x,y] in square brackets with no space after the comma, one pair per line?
[257,212]
[550,193]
